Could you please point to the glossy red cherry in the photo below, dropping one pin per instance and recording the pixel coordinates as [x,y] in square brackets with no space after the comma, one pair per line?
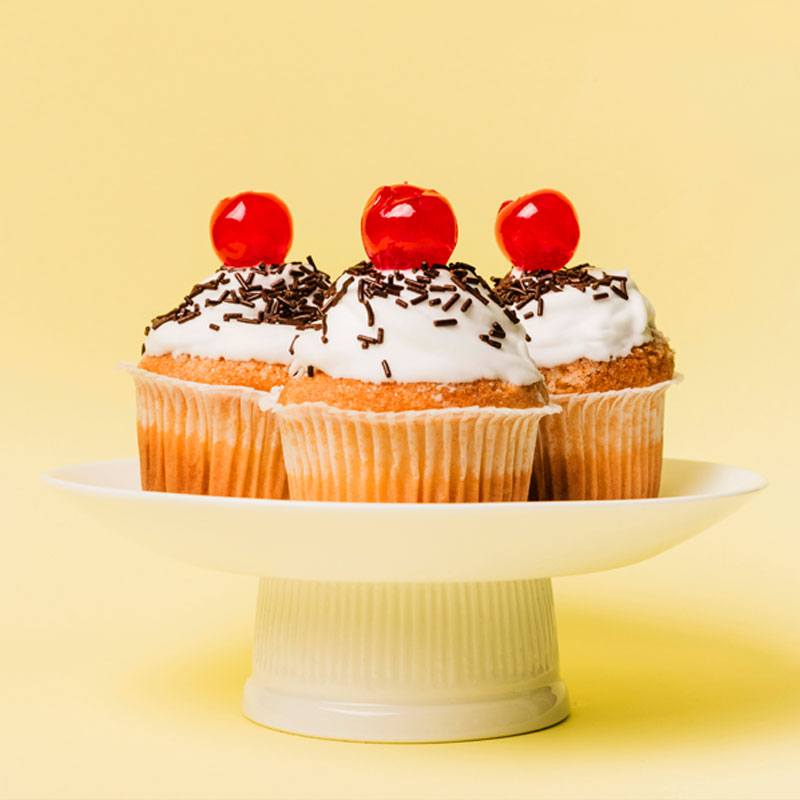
[538,230]
[251,228]
[403,225]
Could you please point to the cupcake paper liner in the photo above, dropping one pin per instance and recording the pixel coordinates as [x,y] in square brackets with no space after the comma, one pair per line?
[438,456]
[603,446]
[198,438]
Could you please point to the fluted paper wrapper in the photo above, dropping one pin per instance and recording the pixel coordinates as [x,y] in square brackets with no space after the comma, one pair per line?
[456,455]
[199,438]
[603,446]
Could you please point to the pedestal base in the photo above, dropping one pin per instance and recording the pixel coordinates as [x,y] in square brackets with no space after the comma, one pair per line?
[405,662]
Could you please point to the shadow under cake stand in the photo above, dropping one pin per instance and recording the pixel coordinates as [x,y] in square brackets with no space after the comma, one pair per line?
[407,622]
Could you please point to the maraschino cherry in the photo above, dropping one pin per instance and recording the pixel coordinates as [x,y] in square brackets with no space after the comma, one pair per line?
[538,230]
[404,225]
[251,228]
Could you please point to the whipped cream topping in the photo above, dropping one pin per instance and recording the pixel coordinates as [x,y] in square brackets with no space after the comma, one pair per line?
[241,314]
[581,312]
[436,324]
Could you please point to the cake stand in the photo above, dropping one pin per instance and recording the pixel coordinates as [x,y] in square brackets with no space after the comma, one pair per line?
[407,622]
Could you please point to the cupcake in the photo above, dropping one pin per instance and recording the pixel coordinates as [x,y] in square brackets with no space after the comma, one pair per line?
[594,338]
[418,385]
[212,367]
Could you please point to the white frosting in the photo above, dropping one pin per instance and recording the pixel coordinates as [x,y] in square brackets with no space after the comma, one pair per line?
[414,348]
[268,342]
[574,325]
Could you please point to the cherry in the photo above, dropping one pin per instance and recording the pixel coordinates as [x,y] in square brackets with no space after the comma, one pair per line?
[404,225]
[251,228]
[538,230]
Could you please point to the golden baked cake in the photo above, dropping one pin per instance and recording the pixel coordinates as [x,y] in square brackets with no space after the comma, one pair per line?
[594,338]
[417,386]
[212,366]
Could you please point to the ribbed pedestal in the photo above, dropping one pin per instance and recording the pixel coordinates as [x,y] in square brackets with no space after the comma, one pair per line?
[405,662]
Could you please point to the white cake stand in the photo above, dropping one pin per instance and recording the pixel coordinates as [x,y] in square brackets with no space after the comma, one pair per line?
[407,622]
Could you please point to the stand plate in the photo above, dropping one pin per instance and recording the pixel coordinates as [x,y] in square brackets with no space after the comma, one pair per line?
[407,622]
[411,542]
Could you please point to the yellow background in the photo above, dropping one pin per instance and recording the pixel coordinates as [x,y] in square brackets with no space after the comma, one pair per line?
[672,126]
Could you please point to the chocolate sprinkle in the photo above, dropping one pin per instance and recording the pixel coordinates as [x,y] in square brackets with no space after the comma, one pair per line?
[213,326]
[295,302]
[497,331]
[517,291]
[459,280]
[451,302]
[619,291]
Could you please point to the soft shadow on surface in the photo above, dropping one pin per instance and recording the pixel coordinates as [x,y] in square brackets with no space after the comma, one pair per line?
[633,677]
[637,676]
[206,680]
